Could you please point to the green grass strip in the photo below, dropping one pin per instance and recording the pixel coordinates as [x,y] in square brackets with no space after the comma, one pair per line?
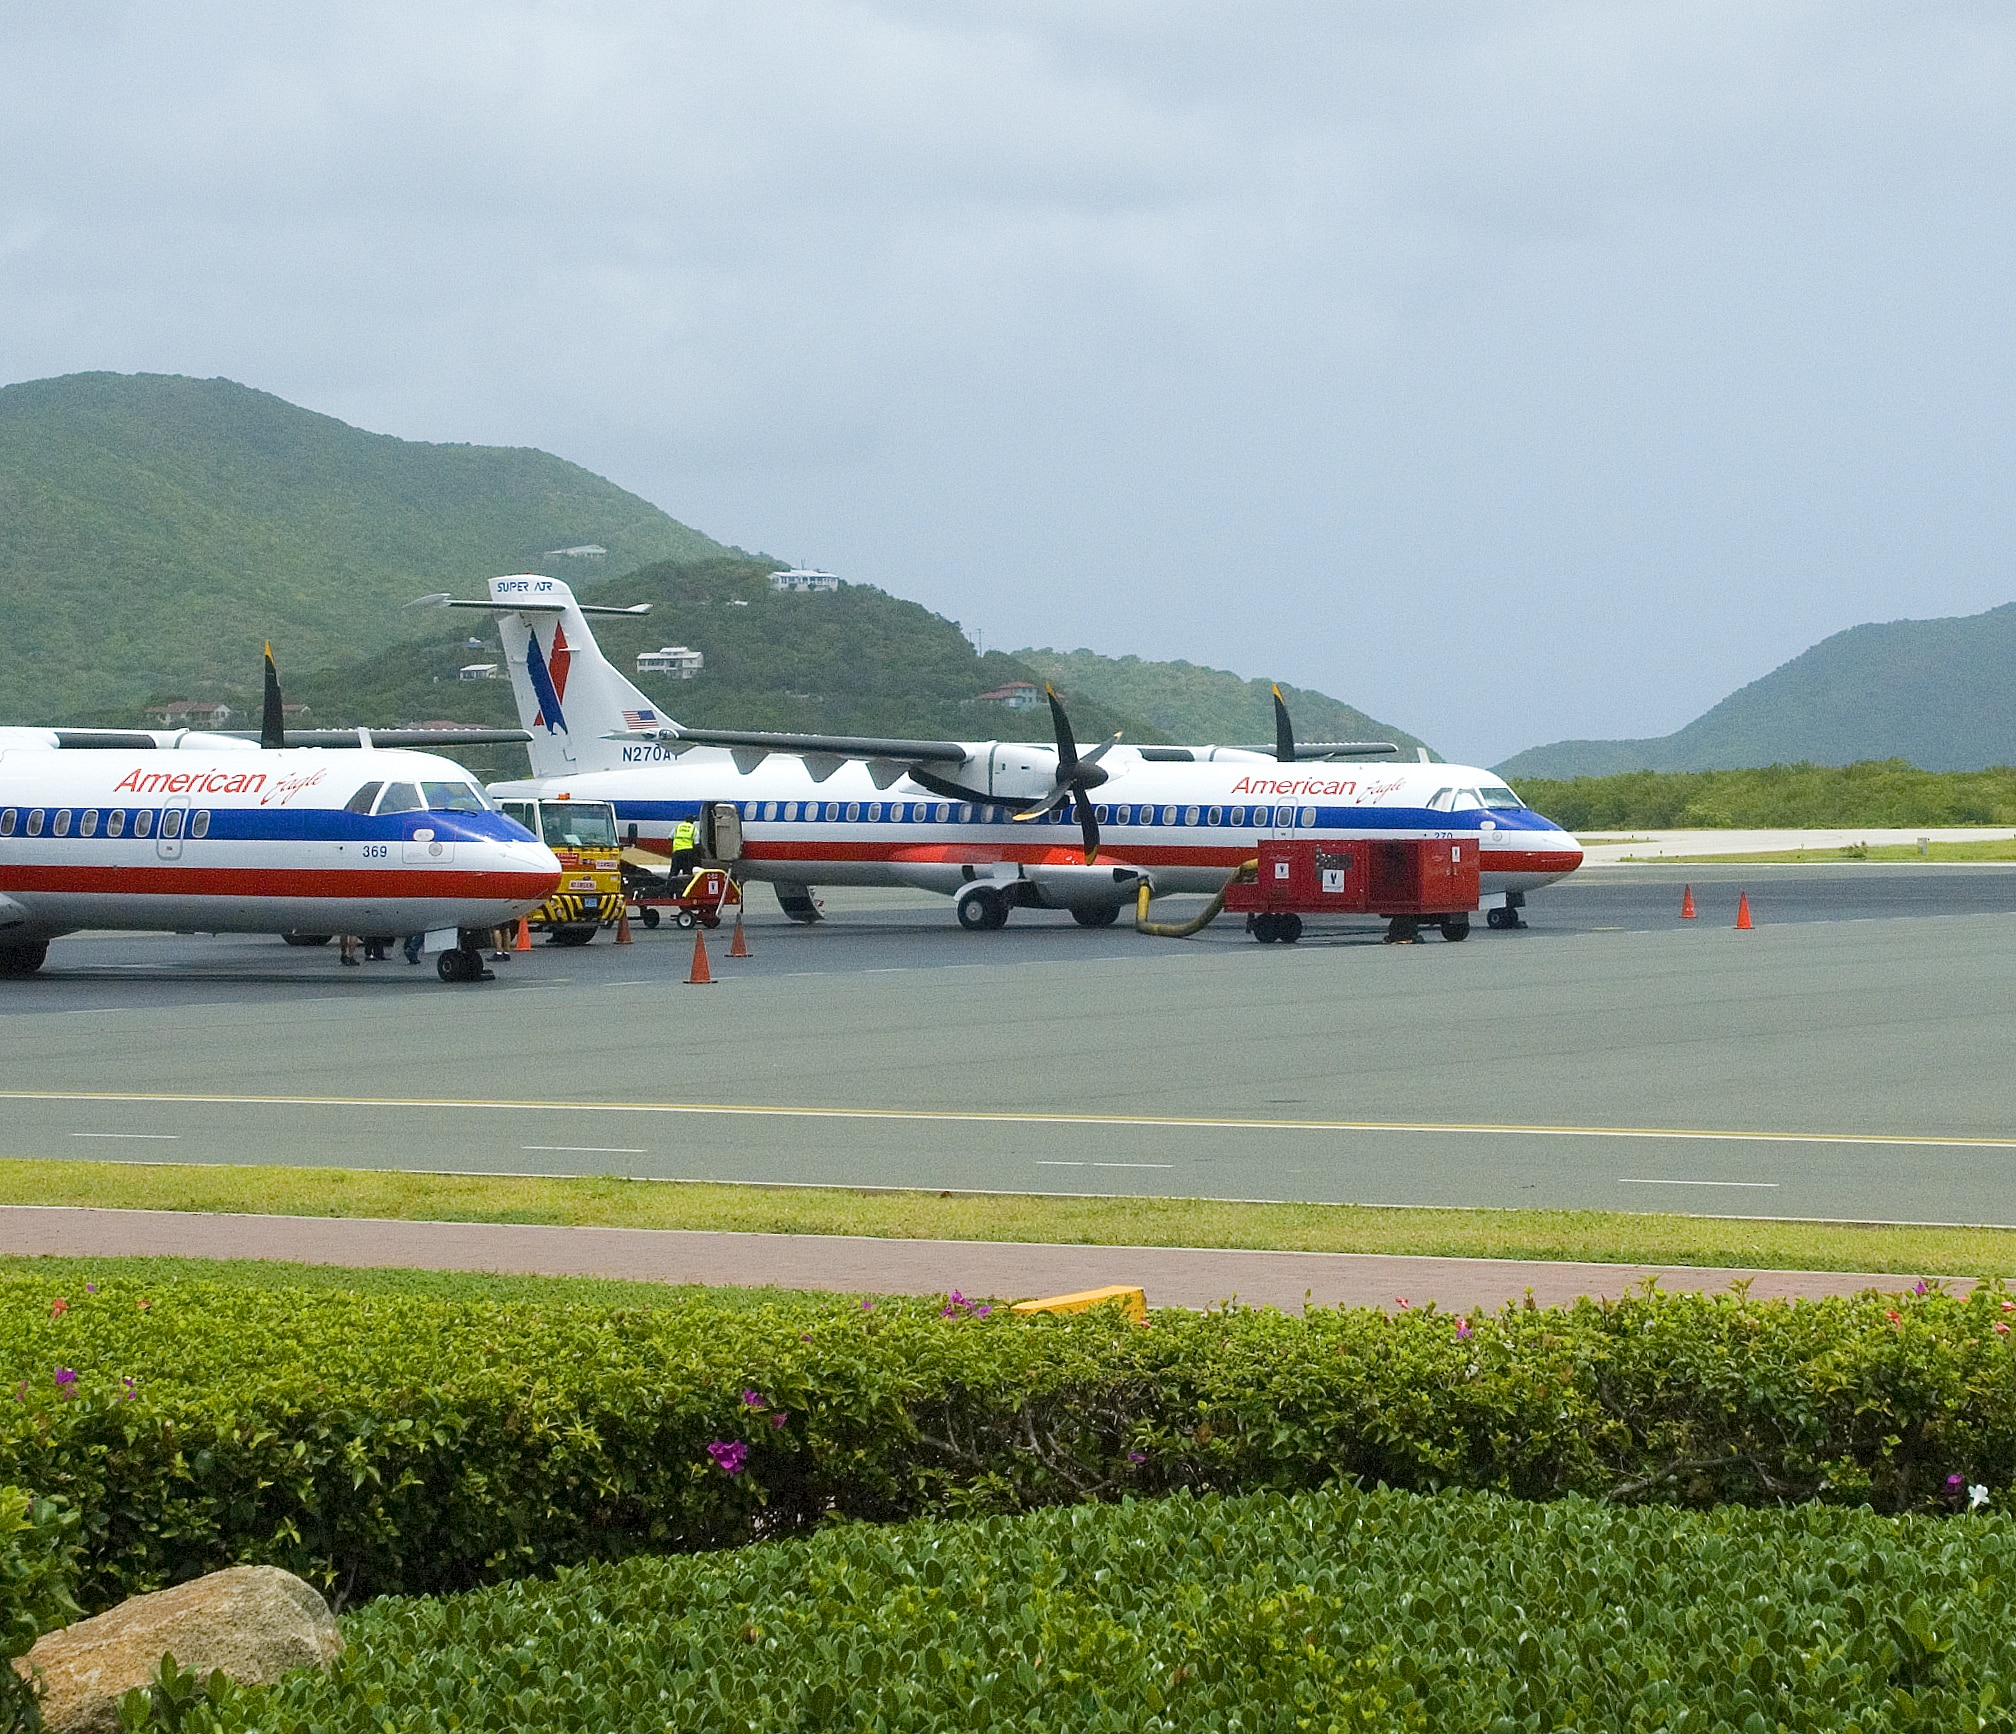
[1579,1235]
[2001,849]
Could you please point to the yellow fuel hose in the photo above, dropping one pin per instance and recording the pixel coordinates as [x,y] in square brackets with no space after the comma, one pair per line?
[1183,929]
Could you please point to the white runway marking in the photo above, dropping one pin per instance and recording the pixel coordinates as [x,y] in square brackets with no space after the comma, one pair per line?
[170,1136]
[587,1149]
[1767,1185]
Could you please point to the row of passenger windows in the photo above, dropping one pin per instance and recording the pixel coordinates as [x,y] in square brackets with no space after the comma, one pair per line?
[92,821]
[963,813]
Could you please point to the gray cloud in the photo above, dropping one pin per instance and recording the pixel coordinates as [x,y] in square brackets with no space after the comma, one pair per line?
[1511,370]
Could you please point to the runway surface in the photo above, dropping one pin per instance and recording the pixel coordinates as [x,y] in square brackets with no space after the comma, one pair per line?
[1848,1059]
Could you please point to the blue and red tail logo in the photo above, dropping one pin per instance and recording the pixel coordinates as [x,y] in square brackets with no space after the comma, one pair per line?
[549,678]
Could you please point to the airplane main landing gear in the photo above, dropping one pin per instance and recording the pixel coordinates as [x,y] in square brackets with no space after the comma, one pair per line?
[982,909]
[1095,915]
[23,957]
[1272,928]
[1506,919]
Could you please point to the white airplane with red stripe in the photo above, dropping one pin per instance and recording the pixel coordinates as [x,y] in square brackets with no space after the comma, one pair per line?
[185,832]
[989,823]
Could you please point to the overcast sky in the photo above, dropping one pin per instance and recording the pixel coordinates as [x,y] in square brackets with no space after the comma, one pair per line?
[1513,371]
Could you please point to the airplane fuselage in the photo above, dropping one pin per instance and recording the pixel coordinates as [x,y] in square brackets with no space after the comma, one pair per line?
[1184,826]
[220,836]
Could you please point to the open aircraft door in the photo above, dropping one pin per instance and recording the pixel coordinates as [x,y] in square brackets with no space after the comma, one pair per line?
[721,831]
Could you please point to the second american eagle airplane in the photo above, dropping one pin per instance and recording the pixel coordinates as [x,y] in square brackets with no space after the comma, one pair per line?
[979,821]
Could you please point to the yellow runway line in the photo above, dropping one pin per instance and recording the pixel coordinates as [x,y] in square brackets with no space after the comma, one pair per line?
[971,1117]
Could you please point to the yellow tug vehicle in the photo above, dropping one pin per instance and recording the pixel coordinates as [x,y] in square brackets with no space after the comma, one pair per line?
[582,836]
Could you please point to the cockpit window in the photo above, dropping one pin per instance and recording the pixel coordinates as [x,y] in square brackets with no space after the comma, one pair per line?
[1465,798]
[1497,795]
[399,798]
[453,797]
[361,801]
[1439,801]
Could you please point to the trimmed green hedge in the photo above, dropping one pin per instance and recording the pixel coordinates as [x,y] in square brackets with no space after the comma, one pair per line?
[1333,1610]
[386,1444]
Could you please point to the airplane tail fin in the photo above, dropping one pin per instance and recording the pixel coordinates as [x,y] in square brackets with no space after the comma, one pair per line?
[570,696]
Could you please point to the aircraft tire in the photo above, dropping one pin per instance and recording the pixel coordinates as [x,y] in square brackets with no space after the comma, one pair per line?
[1455,927]
[648,916]
[1288,929]
[983,911]
[307,938]
[23,957]
[1099,915]
[574,933]
[449,966]
[1262,927]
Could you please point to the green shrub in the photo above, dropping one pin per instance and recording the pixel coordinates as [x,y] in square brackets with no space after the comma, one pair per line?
[37,1569]
[380,1444]
[1332,1610]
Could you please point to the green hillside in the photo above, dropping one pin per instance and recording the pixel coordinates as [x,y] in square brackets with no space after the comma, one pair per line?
[1189,703]
[851,661]
[1937,693]
[1885,793]
[154,529]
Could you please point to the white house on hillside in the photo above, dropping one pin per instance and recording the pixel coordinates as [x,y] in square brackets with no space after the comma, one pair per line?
[674,660]
[803,578]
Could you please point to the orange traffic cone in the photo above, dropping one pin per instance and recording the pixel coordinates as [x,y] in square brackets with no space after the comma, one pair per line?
[738,946]
[1743,913]
[702,976]
[623,926]
[1687,903]
[524,935]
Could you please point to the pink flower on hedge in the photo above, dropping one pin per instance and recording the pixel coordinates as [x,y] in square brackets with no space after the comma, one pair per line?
[729,1455]
[65,1378]
[2001,1327]
[1400,1300]
[1137,1457]
[754,1400]
[1921,1286]
[131,1391]
[2009,1306]
[90,1288]
[59,1307]
[1462,1330]
[778,1419]
[1895,1318]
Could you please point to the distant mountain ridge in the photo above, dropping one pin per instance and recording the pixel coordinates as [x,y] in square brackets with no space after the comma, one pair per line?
[155,529]
[1938,693]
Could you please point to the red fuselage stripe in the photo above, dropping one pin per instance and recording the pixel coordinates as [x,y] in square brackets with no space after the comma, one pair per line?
[380,882]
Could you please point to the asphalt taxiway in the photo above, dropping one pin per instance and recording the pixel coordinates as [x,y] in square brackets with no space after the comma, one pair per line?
[1847,1059]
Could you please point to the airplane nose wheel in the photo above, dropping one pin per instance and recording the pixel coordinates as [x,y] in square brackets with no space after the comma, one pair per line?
[463,963]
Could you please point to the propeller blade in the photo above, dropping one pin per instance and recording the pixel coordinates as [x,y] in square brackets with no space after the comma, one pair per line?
[1089,824]
[1057,799]
[1067,745]
[273,717]
[1100,751]
[1284,731]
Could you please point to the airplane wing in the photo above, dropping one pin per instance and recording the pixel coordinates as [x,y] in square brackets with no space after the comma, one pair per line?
[443,600]
[840,746]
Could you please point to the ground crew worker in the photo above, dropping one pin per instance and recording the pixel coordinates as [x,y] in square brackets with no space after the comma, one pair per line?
[686,846]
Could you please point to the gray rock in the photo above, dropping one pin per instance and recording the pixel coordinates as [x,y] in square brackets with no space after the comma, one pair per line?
[256,1622]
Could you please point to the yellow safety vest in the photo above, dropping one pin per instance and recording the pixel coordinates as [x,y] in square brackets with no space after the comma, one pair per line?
[686,836]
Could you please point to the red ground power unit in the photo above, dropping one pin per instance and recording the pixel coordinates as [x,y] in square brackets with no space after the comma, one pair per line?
[1405,881]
